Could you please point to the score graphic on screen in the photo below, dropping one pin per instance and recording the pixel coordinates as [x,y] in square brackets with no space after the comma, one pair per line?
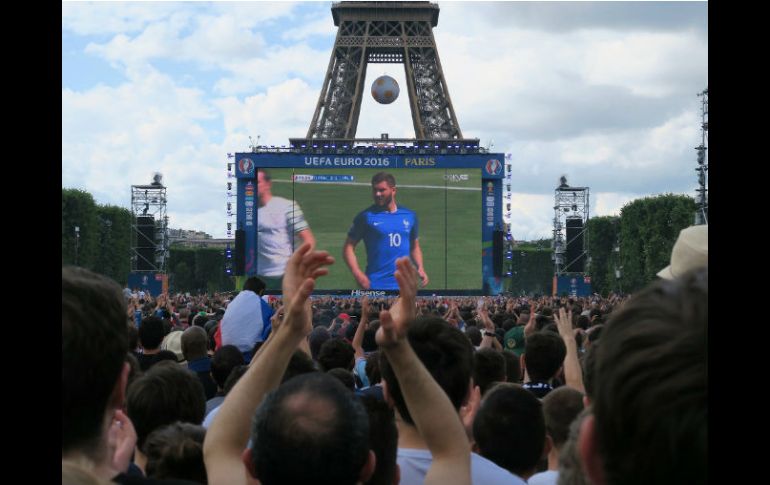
[434,210]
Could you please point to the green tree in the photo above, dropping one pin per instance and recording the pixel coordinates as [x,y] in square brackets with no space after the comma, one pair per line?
[103,244]
[209,268]
[181,267]
[192,269]
[532,271]
[182,277]
[79,211]
[602,236]
[648,230]
[115,242]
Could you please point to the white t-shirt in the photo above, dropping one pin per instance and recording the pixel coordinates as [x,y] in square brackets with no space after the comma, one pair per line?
[548,477]
[414,466]
[242,322]
[278,222]
[210,417]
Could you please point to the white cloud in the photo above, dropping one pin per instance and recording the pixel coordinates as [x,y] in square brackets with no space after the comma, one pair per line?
[211,221]
[282,112]
[216,41]
[115,137]
[640,161]
[254,14]
[610,203]
[527,221]
[278,64]
[320,26]
[649,64]
[541,85]
[100,18]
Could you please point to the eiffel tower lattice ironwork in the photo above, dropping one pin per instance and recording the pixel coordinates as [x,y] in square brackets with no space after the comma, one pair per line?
[384,32]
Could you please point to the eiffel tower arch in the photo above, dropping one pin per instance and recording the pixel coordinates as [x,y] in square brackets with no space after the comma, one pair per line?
[384,32]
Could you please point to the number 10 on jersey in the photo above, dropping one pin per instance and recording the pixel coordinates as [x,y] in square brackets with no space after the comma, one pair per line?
[395,239]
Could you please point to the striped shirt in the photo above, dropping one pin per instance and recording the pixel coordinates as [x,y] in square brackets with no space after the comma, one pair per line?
[278,222]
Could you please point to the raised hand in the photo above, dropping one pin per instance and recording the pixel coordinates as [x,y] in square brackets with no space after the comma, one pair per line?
[468,412]
[403,310]
[573,376]
[121,441]
[564,323]
[433,414]
[530,326]
[393,323]
[303,268]
[277,318]
[485,320]
[364,309]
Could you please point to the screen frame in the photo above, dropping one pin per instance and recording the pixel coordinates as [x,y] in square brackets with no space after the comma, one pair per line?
[491,166]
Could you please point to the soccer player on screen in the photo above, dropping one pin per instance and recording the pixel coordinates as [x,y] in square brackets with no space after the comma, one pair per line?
[279,222]
[389,232]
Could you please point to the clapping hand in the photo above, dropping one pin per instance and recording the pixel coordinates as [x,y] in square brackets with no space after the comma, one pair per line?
[393,323]
[303,268]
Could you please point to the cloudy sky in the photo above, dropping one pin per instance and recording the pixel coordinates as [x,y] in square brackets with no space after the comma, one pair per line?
[602,92]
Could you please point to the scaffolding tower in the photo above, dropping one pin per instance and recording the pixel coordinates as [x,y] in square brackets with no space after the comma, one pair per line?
[509,240]
[702,211]
[570,209]
[149,227]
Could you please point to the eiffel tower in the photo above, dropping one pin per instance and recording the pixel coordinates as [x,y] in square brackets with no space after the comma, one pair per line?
[384,32]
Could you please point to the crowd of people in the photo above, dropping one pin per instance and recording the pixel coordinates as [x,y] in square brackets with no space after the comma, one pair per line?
[249,388]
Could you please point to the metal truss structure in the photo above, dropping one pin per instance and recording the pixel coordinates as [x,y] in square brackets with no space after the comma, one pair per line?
[384,32]
[569,203]
[701,214]
[507,196]
[149,201]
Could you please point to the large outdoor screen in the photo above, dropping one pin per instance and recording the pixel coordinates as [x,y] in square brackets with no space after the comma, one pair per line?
[437,210]
[368,207]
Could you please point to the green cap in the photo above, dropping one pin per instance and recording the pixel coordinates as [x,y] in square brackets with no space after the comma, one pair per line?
[514,340]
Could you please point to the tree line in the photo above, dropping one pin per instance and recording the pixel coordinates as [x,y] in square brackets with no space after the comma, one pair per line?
[626,251]
[102,243]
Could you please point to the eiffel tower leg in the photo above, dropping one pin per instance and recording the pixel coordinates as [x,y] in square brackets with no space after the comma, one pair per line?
[322,99]
[352,124]
[339,104]
[435,109]
[419,131]
[451,126]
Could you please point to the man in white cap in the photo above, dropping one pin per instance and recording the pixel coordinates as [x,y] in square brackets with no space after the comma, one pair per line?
[691,251]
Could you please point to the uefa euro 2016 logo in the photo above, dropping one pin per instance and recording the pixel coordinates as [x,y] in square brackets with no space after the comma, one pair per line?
[246,166]
[494,166]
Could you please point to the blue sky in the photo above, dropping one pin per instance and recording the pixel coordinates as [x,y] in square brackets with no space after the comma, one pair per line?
[603,92]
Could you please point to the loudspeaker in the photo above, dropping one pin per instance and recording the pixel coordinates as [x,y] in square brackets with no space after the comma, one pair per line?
[239,255]
[575,262]
[145,243]
[497,253]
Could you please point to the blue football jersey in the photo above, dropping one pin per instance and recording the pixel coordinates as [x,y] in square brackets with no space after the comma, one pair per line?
[387,237]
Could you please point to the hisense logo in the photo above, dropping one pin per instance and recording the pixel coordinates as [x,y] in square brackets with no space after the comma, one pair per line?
[367,293]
